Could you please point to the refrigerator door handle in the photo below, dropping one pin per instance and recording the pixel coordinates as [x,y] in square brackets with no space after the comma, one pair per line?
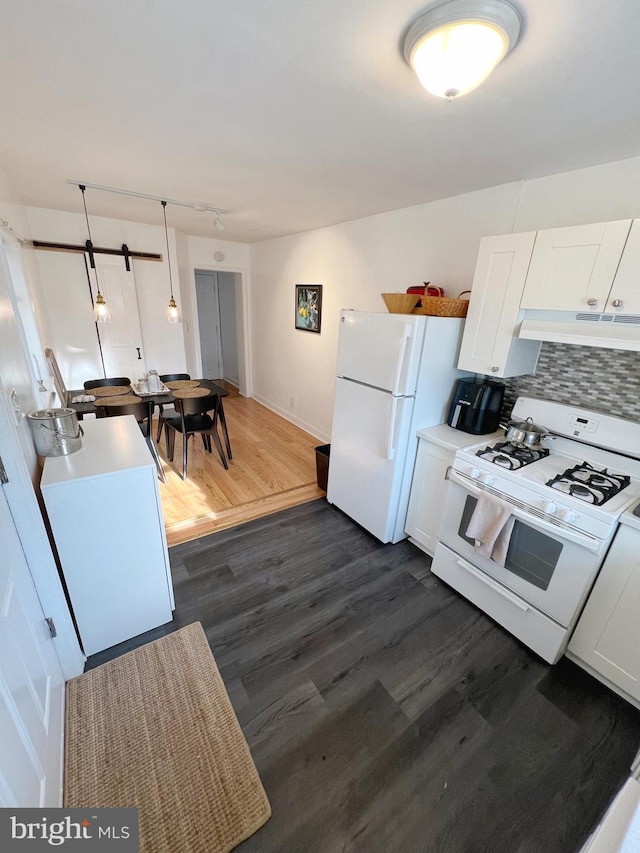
[391,450]
[406,334]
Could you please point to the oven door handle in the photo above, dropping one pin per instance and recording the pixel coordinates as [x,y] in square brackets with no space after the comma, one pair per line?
[496,587]
[582,539]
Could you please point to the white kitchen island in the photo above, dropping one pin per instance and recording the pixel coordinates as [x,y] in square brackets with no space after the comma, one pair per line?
[106,518]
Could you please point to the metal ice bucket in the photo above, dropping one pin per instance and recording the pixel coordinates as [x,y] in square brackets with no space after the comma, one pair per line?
[56,432]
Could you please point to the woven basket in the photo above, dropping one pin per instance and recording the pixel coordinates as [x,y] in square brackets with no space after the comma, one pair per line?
[443,306]
[400,303]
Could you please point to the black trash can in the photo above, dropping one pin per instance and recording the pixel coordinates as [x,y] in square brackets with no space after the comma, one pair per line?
[322,465]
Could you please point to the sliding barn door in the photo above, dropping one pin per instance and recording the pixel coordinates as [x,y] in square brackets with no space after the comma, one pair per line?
[121,339]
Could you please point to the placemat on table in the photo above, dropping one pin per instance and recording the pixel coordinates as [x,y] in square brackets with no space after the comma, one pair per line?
[187,393]
[110,390]
[182,383]
[121,400]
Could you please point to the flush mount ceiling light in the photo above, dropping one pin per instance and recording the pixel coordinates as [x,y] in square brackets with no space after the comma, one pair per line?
[455,46]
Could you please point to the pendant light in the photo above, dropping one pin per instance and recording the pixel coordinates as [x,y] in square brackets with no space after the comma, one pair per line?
[173,312]
[101,313]
[455,46]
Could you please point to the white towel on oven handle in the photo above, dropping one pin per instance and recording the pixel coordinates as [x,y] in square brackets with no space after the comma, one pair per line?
[491,526]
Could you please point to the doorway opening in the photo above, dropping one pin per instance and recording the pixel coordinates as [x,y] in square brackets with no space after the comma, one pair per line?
[216,298]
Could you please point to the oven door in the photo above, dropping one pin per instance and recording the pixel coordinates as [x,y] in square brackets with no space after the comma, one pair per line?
[549,568]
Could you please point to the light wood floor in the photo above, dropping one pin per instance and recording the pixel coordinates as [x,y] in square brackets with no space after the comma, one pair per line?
[273,467]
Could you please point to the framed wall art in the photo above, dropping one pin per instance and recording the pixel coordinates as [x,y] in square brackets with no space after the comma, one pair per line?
[308,307]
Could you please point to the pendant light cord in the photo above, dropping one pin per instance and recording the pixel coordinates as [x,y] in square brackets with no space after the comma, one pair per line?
[86,216]
[166,235]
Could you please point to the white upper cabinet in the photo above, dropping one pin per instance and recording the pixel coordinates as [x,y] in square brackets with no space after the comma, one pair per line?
[625,294]
[489,344]
[573,269]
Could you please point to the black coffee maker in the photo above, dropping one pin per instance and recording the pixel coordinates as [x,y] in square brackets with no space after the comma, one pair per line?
[476,406]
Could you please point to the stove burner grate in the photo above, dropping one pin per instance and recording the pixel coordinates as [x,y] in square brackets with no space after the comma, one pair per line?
[589,484]
[512,456]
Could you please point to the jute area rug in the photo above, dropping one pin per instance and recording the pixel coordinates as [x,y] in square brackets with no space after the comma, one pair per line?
[154,729]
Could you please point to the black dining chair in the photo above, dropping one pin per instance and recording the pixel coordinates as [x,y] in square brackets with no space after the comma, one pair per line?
[192,417]
[106,383]
[167,377]
[143,413]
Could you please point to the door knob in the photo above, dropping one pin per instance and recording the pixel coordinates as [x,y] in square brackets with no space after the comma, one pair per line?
[495,369]
[592,302]
[617,303]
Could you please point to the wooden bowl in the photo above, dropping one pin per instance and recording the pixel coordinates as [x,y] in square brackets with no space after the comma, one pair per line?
[400,303]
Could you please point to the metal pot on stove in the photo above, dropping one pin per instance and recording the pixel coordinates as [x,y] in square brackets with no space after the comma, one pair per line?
[525,433]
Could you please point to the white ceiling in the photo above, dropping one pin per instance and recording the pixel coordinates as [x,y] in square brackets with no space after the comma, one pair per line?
[296,114]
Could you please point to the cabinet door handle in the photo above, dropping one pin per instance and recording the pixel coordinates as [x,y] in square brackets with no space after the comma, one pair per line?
[592,302]
[617,303]
[139,356]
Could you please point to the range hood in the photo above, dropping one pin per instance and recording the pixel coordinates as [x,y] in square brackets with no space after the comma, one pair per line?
[610,331]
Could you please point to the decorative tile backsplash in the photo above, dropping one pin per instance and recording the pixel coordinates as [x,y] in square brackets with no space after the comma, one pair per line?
[602,379]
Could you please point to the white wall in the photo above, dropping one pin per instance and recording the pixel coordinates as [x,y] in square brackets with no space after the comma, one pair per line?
[599,194]
[16,217]
[356,261]
[15,371]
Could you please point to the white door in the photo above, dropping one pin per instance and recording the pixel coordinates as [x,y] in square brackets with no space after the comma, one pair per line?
[625,292]
[209,324]
[572,269]
[228,327]
[368,450]
[31,684]
[121,339]
[381,350]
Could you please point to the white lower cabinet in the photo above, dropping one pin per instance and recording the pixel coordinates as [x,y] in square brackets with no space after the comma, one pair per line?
[606,640]
[427,494]
[105,514]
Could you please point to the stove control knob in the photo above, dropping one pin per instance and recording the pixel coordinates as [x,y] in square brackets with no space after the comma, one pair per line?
[549,507]
[567,515]
[488,479]
[474,473]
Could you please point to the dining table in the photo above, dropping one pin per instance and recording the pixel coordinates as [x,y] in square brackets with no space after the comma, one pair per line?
[83,408]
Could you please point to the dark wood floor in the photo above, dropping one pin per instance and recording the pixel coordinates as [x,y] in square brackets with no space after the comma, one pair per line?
[385,712]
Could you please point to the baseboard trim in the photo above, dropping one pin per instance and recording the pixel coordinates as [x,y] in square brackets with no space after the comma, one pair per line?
[289,416]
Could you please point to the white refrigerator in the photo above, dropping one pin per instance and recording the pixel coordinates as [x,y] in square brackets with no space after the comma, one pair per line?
[395,375]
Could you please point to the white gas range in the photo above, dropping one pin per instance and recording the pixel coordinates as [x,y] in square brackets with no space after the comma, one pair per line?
[565,496]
